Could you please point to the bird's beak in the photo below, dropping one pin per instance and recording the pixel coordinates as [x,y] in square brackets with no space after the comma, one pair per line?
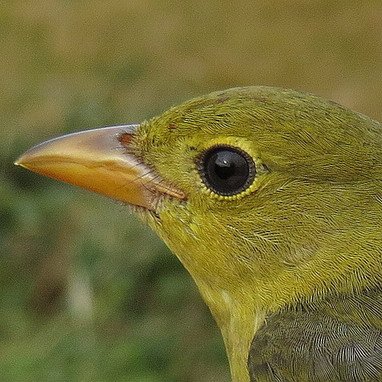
[99,160]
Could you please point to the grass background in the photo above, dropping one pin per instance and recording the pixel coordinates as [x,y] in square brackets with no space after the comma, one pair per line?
[86,292]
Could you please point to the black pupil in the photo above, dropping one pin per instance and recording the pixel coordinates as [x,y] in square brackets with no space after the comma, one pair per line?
[226,170]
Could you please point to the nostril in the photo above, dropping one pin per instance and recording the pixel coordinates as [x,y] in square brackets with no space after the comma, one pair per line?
[125,139]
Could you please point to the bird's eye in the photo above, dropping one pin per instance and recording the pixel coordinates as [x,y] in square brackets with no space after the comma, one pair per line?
[226,170]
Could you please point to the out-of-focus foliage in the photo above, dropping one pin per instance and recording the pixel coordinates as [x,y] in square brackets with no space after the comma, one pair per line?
[86,292]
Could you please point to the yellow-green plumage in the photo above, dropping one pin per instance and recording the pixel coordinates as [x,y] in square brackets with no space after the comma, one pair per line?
[291,267]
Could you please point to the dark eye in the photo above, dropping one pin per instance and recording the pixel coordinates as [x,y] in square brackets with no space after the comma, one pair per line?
[226,170]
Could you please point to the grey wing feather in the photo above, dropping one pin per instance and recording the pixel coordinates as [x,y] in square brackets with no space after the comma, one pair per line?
[337,340]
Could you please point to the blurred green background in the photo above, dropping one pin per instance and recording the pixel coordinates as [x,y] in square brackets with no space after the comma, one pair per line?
[86,292]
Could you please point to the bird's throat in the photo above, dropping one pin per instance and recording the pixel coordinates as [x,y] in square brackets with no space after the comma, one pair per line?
[238,322]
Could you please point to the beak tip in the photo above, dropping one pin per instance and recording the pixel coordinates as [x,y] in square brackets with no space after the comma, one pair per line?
[20,161]
[25,160]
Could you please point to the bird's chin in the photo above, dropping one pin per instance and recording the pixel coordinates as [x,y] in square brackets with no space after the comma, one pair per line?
[145,214]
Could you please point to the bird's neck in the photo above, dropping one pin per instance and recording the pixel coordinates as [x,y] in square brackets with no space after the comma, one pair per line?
[238,320]
[242,310]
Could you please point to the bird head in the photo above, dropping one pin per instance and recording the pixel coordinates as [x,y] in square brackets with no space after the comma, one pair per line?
[267,196]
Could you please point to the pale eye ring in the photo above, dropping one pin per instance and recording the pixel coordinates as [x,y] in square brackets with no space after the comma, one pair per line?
[226,170]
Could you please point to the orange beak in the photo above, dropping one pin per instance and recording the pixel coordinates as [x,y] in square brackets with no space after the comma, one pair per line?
[99,160]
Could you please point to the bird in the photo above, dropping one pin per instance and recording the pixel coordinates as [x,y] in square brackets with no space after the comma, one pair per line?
[272,200]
